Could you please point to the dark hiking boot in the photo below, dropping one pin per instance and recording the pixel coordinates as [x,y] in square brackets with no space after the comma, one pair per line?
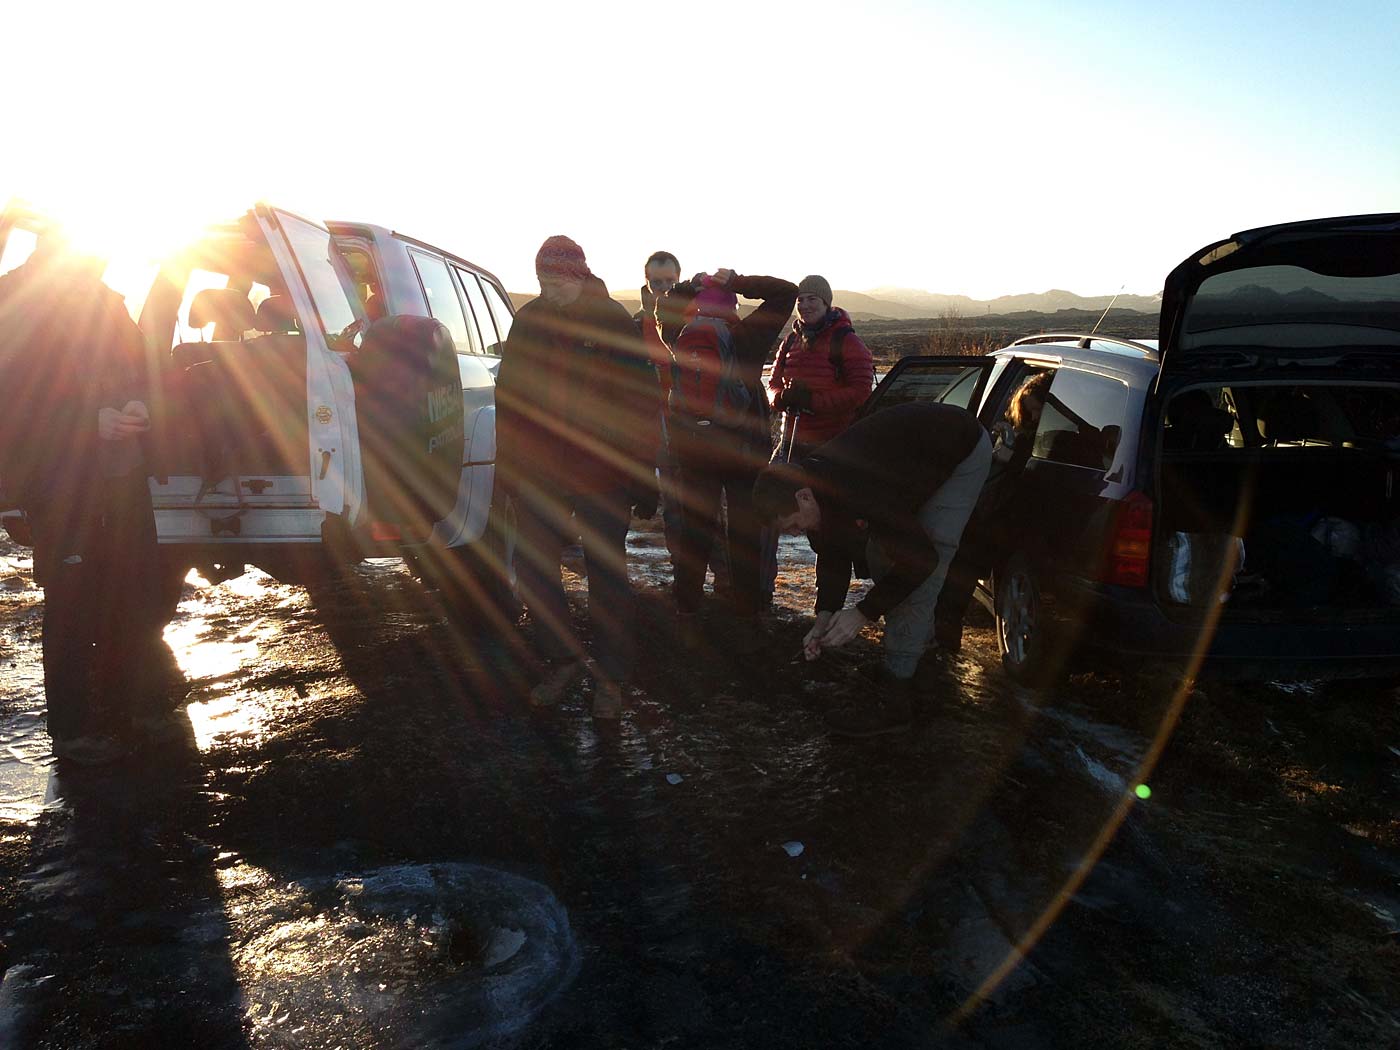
[161,728]
[890,710]
[689,634]
[607,700]
[88,750]
[948,636]
[557,677]
[746,636]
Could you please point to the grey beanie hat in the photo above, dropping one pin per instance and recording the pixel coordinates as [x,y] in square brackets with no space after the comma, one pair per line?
[815,285]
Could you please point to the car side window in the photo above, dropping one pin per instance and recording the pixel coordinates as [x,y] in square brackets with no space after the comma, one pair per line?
[500,310]
[961,390]
[929,380]
[1082,421]
[472,287]
[443,302]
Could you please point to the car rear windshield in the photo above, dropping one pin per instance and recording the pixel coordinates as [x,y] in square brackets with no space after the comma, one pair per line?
[1262,295]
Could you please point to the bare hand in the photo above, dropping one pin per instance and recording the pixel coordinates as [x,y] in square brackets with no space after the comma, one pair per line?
[119,426]
[723,277]
[812,644]
[844,626]
[138,409]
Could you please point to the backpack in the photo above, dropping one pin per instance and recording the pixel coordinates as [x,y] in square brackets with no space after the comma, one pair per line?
[706,387]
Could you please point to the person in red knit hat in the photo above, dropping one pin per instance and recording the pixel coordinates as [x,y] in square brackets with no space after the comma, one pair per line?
[576,433]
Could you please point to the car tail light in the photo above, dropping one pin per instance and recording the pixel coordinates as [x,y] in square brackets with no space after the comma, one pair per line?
[384,532]
[1130,543]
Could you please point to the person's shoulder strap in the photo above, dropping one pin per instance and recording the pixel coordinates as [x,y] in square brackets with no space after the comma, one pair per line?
[838,363]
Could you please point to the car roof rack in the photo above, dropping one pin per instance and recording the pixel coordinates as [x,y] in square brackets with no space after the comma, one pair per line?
[1086,342]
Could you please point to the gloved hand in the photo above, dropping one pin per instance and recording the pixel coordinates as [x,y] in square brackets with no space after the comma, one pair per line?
[645,499]
[797,397]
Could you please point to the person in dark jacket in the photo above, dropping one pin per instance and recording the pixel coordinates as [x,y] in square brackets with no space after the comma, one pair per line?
[889,498]
[74,374]
[724,457]
[576,423]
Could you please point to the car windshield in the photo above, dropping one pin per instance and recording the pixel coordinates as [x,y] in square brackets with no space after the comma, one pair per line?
[1274,295]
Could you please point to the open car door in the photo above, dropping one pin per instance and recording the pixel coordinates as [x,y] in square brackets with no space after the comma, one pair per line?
[322,293]
[960,381]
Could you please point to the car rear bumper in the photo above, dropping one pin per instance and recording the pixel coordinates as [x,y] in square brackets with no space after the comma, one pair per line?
[1127,626]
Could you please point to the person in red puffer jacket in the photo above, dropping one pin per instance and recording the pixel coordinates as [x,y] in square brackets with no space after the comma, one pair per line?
[822,375]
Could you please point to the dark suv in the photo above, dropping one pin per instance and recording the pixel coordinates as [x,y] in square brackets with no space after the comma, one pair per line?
[1224,493]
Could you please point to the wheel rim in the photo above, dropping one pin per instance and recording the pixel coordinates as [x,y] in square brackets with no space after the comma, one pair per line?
[1018,617]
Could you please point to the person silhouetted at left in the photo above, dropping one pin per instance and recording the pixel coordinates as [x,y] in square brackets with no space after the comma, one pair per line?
[75,381]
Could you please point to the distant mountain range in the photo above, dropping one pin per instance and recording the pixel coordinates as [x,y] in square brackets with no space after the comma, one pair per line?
[902,304]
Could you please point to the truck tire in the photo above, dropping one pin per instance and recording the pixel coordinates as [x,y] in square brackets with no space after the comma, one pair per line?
[1029,653]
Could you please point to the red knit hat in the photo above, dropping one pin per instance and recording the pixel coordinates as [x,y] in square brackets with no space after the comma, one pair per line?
[559,256]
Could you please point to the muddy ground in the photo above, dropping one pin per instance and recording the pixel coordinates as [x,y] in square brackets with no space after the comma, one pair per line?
[366,840]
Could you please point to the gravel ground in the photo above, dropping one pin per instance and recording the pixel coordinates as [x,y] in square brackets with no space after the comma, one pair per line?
[367,840]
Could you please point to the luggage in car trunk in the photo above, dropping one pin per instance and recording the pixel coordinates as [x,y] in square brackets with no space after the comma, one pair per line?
[1291,509]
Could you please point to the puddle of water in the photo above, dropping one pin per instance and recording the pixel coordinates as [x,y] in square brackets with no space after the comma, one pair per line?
[441,954]
[25,759]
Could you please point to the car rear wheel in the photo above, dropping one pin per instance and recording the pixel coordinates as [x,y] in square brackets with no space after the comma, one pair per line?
[1023,628]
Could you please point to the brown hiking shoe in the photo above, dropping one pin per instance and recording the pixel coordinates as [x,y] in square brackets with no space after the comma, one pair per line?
[88,750]
[162,728]
[557,678]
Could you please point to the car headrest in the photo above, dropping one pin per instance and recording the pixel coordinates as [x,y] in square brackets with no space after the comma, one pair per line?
[1290,415]
[277,313]
[375,308]
[227,309]
[1195,422]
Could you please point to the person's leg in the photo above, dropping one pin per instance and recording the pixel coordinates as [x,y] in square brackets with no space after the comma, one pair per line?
[603,520]
[969,565]
[69,632]
[130,668]
[943,517]
[543,521]
[700,490]
[745,539]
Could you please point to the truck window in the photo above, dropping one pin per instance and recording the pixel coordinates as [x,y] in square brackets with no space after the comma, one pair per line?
[500,310]
[472,287]
[330,292]
[443,302]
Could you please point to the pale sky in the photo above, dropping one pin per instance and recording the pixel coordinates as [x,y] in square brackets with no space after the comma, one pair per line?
[982,148]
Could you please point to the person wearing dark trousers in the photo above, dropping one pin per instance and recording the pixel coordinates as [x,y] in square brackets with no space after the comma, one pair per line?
[663,272]
[718,424]
[888,499]
[991,528]
[73,367]
[577,403]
